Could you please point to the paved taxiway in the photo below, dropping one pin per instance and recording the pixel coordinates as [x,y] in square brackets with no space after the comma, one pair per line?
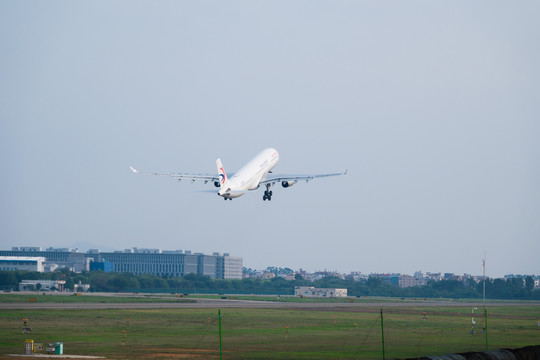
[227,303]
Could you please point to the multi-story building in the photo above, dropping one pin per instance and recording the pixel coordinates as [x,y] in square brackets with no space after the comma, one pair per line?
[392,278]
[162,264]
[408,281]
[25,263]
[140,261]
[173,263]
[65,257]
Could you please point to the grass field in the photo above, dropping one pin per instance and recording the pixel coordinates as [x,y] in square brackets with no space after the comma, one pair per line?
[62,299]
[271,333]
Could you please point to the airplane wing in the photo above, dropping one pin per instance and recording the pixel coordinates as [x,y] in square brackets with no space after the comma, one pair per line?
[180,176]
[271,177]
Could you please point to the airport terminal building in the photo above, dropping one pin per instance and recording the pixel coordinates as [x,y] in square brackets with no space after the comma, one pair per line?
[137,261]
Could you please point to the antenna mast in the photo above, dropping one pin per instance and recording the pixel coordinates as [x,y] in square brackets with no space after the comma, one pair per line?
[484,295]
[484,278]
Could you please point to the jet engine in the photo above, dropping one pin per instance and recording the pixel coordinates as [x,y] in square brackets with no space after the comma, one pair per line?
[216,184]
[286,184]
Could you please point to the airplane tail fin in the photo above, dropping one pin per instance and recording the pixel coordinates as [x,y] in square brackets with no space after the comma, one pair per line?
[223,180]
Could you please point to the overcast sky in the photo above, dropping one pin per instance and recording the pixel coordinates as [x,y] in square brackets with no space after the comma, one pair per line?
[434,107]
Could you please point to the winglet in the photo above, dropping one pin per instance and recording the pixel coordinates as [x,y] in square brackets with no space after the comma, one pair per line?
[133,169]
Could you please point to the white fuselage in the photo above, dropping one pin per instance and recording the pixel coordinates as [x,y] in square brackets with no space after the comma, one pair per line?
[250,175]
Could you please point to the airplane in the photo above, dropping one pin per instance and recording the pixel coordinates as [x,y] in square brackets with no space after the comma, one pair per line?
[257,172]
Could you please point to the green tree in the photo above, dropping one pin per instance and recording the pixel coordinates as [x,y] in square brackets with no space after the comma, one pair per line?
[529,283]
[98,281]
[70,284]
[8,280]
[122,282]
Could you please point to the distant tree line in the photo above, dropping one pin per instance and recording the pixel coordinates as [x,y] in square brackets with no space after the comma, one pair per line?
[192,283]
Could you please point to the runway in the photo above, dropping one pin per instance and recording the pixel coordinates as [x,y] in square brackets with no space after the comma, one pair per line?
[227,303]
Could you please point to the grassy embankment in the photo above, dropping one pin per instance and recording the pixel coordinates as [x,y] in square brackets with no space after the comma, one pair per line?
[83,298]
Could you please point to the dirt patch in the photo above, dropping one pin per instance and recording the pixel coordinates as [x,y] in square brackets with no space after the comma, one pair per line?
[181,354]
[404,311]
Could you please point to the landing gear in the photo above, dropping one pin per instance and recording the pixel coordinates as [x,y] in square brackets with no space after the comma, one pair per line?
[267,193]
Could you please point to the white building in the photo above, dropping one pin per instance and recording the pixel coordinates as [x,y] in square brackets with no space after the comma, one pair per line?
[232,267]
[81,287]
[408,281]
[267,275]
[44,285]
[26,263]
[310,291]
